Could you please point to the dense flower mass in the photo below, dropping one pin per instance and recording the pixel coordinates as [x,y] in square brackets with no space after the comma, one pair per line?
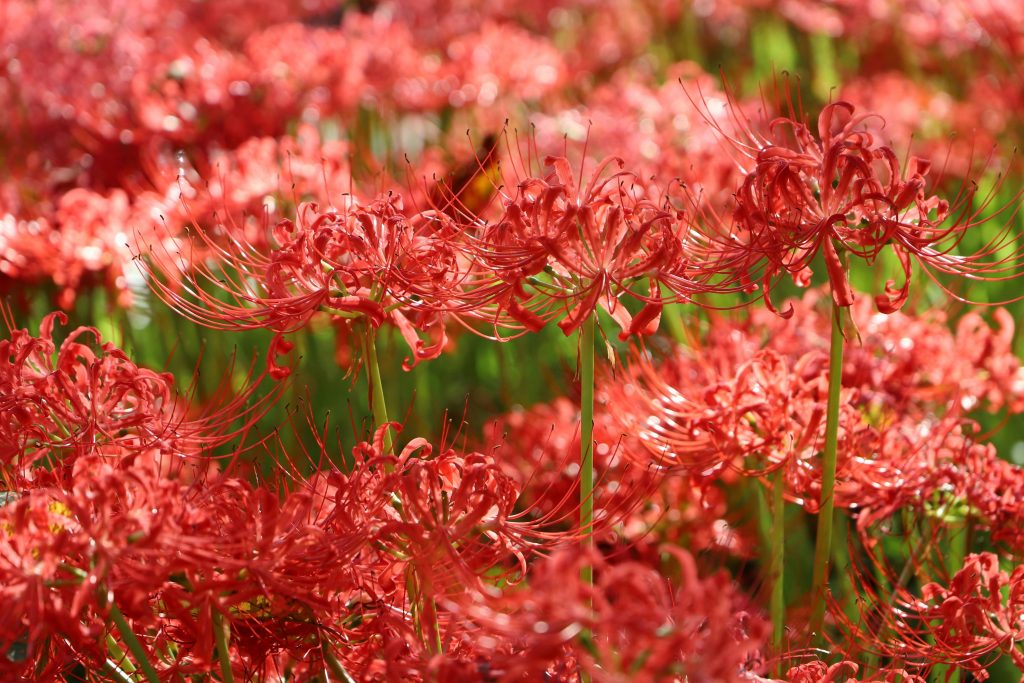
[423,341]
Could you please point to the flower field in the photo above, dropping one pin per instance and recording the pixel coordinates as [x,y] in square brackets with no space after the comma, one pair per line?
[582,341]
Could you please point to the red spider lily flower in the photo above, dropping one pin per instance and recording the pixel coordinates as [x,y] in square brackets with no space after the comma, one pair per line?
[264,565]
[371,262]
[347,555]
[86,396]
[539,447]
[704,411]
[904,362]
[838,193]
[279,569]
[487,530]
[967,621]
[933,473]
[562,247]
[172,555]
[66,553]
[734,404]
[842,672]
[459,515]
[914,469]
[631,624]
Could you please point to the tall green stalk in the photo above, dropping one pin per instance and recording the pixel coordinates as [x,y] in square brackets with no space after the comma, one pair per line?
[116,673]
[334,665]
[222,636]
[377,403]
[777,604]
[119,656]
[823,542]
[133,644]
[426,610]
[587,440]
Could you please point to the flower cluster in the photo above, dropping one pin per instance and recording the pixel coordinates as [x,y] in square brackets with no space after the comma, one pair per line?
[670,465]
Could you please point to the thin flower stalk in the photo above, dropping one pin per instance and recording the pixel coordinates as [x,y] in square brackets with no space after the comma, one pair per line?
[133,644]
[776,568]
[222,639]
[378,405]
[823,541]
[587,342]
[334,665]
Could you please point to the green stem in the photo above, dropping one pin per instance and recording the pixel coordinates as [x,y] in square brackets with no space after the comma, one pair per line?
[424,611]
[118,654]
[872,660]
[377,403]
[428,610]
[777,605]
[115,672]
[222,635]
[823,543]
[430,617]
[134,646]
[335,666]
[587,442]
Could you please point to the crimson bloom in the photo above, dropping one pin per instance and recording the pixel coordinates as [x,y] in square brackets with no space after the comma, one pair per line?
[86,396]
[836,192]
[967,620]
[567,244]
[372,261]
[630,625]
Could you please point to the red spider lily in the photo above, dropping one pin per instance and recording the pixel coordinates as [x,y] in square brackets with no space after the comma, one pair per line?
[935,478]
[265,565]
[968,621]
[86,396]
[840,193]
[72,395]
[459,514]
[394,535]
[67,553]
[539,447]
[629,625]
[904,361]
[915,469]
[731,404]
[279,571]
[842,672]
[172,556]
[699,413]
[562,247]
[369,262]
